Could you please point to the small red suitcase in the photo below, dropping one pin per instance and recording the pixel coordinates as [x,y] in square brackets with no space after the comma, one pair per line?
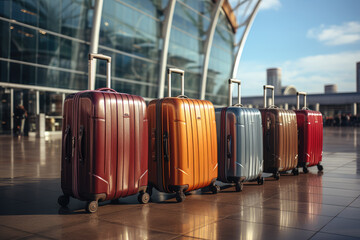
[310,133]
[105,145]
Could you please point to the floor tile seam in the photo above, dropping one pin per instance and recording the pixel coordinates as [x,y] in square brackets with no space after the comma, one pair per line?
[215,221]
[341,235]
[314,202]
[155,229]
[336,216]
[287,211]
[277,225]
[38,235]
[50,228]
[323,194]
[16,229]
[322,215]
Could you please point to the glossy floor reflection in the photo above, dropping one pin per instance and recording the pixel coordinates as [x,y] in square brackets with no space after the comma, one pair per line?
[309,206]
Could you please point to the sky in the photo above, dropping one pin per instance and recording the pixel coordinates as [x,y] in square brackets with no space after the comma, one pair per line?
[314,42]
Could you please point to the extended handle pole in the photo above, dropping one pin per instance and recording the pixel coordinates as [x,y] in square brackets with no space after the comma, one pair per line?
[231,81]
[92,66]
[272,94]
[179,71]
[298,99]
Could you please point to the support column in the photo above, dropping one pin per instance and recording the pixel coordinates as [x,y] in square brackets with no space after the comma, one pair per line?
[354,109]
[94,40]
[37,103]
[166,30]
[286,106]
[243,39]
[317,107]
[208,44]
[11,110]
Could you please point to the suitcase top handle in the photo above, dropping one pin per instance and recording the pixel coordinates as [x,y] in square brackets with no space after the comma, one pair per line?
[298,99]
[231,81]
[92,66]
[182,73]
[272,94]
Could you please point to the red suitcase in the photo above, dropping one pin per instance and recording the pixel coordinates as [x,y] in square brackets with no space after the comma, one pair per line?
[310,133]
[105,145]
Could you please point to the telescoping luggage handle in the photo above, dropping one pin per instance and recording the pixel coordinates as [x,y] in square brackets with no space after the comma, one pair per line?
[298,99]
[92,57]
[231,81]
[272,94]
[182,73]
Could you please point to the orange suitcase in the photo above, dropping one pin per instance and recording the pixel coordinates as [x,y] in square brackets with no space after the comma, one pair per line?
[183,143]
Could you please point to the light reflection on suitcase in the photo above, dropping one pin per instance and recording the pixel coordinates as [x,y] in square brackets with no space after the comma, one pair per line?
[240,142]
[105,145]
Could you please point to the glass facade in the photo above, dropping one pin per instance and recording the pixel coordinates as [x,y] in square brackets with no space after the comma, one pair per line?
[48,43]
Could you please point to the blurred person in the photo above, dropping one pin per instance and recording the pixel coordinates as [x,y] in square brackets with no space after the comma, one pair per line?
[20,115]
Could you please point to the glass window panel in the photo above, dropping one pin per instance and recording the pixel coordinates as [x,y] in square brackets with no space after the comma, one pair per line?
[73,55]
[5,8]
[50,15]
[4,39]
[75,19]
[25,11]
[28,74]
[4,70]
[49,46]
[23,44]
[126,29]
[15,73]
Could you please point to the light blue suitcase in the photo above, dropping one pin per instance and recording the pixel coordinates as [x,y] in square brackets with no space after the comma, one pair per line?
[240,142]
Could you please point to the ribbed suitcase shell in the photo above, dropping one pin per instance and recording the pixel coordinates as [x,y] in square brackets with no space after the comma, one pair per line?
[280,140]
[111,160]
[190,127]
[244,127]
[310,129]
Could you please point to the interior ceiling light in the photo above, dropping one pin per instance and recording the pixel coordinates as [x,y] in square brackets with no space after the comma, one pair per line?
[28,12]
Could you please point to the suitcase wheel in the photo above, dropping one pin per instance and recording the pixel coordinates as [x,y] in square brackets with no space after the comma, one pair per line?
[91,206]
[277,175]
[215,189]
[63,200]
[305,170]
[239,186]
[180,196]
[260,180]
[143,197]
[320,167]
[295,171]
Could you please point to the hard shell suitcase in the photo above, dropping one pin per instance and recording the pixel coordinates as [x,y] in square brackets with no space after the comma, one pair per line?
[182,147]
[310,130]
[240,142]
[105,145]
[280,138]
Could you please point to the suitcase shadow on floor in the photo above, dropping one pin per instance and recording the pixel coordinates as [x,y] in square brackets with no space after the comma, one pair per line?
[29,196]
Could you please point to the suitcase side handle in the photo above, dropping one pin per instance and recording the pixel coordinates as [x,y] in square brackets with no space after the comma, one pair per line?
[229,146]
[182,73]
[165,147]
[298,99]
[231,81]
[272,94]
[92,66]
[67,144]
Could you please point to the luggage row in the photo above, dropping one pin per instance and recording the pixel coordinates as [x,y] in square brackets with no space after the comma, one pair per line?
[114,146]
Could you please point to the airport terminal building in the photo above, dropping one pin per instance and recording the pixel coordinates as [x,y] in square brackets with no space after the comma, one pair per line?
[45,45]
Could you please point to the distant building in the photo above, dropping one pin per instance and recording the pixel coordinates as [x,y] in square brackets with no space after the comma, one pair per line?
[358,77]
[288,90]
[274,78]
[330,88]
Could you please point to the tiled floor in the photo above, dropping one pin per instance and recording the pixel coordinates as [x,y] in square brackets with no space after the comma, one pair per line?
[308,206]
